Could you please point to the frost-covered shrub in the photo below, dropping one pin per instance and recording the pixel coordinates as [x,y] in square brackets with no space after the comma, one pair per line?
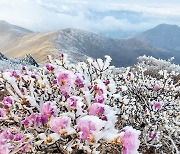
[153,64]
[89,107]
[152,106]
[61,108]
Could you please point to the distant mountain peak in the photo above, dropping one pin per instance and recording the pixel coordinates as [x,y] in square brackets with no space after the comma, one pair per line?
[165,27]
[164,36]
[2,21]
[7,26]
[10,34]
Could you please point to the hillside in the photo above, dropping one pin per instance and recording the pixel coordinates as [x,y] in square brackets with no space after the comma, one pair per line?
[37,44]
[123,52]
[78,44]
[10,34]
[163,36]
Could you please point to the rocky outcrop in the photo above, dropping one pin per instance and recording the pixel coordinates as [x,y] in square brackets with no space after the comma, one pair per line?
[15,63]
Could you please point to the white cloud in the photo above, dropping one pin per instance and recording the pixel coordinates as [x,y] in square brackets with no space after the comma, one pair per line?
[44,15]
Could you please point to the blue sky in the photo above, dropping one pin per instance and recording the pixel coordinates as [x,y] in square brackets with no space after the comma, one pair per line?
[92,15]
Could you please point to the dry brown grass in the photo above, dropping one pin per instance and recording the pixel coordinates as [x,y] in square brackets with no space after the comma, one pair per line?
[39,45]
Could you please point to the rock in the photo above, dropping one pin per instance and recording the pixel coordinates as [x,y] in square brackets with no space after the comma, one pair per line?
[3,57]
[29,59]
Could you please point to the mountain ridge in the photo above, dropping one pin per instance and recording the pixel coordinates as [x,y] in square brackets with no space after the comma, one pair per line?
[80,44]
[163,36]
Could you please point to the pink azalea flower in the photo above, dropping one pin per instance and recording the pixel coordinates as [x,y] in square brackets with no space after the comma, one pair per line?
[49,67]
[89,127]
[96,109]
[33,76]
[72,102]
[48,109]
[158,105]
[15,74]
[152,135]
[27,122]
[156,87]
[100,99]
[26,148]
[60,124]
[130,140]
[79,82]
[7,102]
[33,120]
[44,119]
[54,82]
[22,90]
[4,148]
[24,68]
[6,134]
[97,90]
[2,113]
[19,137]
[65,82]
[107,82]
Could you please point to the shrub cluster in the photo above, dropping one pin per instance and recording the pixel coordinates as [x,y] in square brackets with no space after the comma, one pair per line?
[88,107]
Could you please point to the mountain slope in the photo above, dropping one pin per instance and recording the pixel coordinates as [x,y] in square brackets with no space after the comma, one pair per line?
[39,45]
[123,52]
[10,33]
[78,44]
[163,36]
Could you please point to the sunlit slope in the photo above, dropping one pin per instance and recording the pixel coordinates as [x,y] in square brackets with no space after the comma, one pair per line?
[39,45]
